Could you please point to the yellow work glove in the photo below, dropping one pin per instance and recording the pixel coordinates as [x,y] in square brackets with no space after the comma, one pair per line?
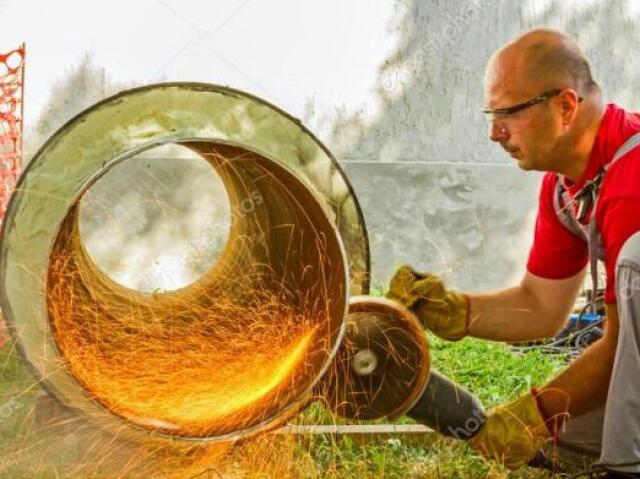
[513,433]
[440,310]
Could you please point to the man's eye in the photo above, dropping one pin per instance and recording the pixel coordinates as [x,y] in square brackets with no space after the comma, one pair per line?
[512,114]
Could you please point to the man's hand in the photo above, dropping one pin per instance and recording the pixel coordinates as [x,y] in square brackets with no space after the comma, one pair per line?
[513,433]
[444,312]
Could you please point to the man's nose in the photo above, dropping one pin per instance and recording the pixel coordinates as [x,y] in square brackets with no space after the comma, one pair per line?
[497,132]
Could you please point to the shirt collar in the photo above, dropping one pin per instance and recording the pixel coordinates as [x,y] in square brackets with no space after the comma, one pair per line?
[601,152]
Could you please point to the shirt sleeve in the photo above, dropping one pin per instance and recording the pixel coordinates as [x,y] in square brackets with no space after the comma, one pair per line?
[556,253]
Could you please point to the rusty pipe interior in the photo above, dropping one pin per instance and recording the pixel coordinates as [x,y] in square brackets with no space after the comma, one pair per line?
[234,349]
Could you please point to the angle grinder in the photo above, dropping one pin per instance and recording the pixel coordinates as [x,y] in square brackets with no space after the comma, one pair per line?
[383,370]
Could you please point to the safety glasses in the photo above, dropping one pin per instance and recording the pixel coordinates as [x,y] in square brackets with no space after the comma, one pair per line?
[514,118]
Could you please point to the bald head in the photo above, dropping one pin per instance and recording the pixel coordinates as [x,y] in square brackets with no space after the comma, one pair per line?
[538,60]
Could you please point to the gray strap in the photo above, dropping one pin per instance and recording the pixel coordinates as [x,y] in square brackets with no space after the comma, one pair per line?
[593,259]
[594,236]
[565,213]
[628,145]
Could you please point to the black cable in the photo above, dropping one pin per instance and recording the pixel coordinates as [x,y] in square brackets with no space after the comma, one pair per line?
[563,345]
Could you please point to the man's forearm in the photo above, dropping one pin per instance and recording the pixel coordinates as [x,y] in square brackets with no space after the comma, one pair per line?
[584,384]
[509,315]
[536,308]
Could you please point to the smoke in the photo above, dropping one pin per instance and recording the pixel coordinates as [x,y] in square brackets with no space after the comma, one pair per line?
[82,86]
[154,222]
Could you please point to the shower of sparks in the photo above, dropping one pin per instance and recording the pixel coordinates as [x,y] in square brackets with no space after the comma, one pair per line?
[205,361]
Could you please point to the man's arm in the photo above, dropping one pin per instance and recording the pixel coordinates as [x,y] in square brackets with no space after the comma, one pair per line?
[584,384]
[537,308]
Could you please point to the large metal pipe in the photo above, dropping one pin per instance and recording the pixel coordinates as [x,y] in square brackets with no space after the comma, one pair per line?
[238,351]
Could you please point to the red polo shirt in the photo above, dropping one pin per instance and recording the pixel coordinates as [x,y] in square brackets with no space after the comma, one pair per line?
[558,253]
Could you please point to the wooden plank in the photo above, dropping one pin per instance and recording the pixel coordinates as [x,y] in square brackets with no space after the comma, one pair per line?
[363,434]
[351,429]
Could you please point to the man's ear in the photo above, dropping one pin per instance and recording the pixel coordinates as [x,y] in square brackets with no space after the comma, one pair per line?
[569,102]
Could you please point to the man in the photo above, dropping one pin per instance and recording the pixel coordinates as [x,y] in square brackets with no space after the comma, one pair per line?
[546,111]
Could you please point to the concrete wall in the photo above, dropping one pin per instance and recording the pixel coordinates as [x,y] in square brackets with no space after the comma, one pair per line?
[470,222]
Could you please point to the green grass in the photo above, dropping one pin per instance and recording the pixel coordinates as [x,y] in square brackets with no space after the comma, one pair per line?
[490,370]
[17,392]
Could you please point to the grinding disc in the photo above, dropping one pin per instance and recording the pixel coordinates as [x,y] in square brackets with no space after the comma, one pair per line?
[382,365]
